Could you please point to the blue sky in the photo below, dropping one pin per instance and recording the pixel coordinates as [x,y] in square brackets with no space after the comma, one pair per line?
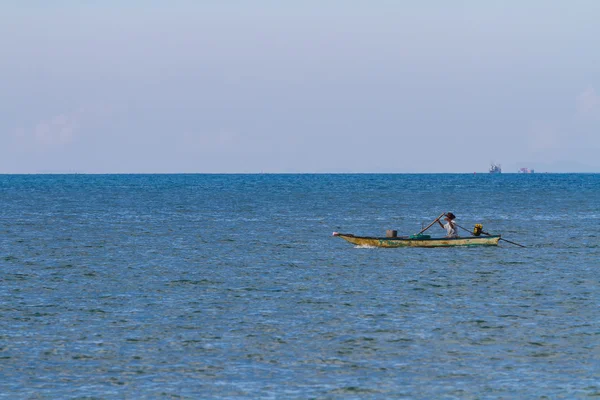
[311,86]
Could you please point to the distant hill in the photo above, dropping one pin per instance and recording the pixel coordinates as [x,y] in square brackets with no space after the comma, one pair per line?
[555,167]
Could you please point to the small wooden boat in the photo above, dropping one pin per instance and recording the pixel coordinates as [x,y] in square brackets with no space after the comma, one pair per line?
[419,241]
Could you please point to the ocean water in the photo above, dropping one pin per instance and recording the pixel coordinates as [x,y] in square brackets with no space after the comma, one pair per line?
[231,286]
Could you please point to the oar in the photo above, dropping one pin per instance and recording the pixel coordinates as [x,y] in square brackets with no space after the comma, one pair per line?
[485,233]
[431,224]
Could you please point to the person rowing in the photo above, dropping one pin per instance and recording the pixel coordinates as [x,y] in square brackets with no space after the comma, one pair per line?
[450,227]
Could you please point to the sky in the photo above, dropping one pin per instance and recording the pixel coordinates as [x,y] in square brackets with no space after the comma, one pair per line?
[226,86]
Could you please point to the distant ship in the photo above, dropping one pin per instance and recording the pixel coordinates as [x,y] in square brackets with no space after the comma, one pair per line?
[526,171]
[495,169]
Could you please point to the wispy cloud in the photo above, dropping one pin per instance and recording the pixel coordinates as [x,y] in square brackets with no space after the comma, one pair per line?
[544,136]
[217,141]
[58,130]
[588,103]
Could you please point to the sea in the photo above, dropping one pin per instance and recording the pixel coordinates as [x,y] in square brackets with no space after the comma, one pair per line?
[232,286]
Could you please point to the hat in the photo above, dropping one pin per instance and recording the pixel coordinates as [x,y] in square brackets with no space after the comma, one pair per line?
[450,215]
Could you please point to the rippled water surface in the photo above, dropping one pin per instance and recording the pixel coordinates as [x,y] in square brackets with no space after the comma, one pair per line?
[207,286]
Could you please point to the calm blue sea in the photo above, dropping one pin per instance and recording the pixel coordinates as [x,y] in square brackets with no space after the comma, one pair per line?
[231,286]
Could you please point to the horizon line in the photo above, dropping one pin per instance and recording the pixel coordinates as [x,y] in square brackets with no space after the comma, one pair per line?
[292,173]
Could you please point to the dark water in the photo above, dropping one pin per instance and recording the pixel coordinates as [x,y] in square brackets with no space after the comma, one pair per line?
[231,286]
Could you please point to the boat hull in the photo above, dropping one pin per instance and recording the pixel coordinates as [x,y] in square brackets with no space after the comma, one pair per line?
[430,242]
